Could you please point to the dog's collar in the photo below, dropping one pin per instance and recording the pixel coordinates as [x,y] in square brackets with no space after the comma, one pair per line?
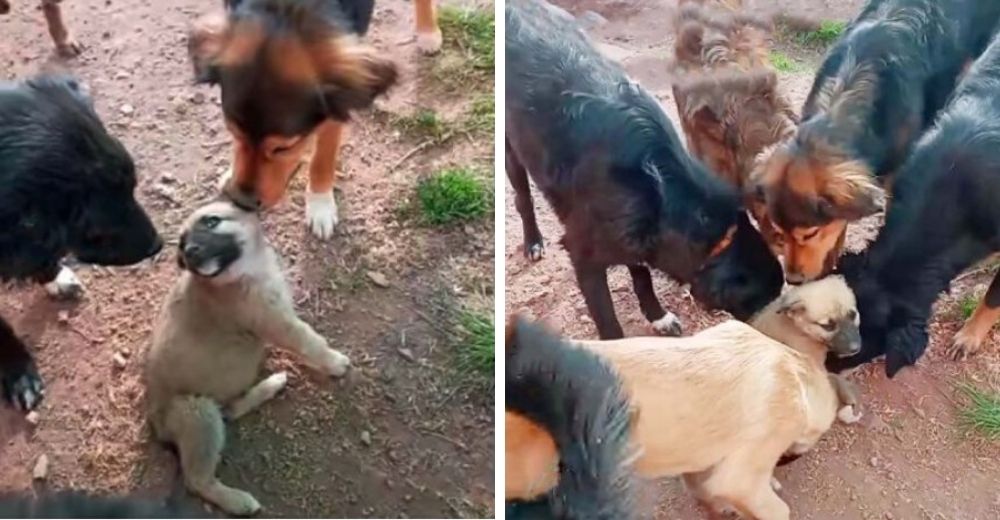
[720,246]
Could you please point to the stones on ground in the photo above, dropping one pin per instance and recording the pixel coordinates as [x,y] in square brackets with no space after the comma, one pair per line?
[32,418]
[63,317]
[126,109]
[378,279]
[41,471]
[407,354]
[197,98]
[366,438]
[119,360]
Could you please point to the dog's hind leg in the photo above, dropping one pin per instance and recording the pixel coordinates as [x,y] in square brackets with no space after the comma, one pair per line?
[428,33]
[518,176]
[664,322]
[321,206]
[195,426]
[593,281]
[743,480]
[260,393]
[65,44]
[971,337]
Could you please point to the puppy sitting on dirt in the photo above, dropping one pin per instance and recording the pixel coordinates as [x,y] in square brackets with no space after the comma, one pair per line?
[209,344]
[723,406]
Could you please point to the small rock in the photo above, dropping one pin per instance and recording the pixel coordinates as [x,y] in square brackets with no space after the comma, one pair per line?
[366,438]
[32,418]
[888,516]
[167,178]
[119,360]
[41,470]
[874,462]
[378,279]
[126,109]
[126,353]
[407,354]
[197,98]
[122,74]
[63,317]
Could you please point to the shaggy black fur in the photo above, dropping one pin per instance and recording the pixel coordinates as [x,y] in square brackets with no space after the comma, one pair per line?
[66,187]
[579,400]
[916,50]
[75,504]
[944,217]
[610,163]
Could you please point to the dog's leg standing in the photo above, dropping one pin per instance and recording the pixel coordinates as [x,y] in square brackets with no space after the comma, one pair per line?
[65,43]
[66,286]
[428,33]
[321,206]
[260,393]
[518,176]
[195,426]
[664,322]
[849,412]
[970,338]
[743,480]
[19,379]
[593,281]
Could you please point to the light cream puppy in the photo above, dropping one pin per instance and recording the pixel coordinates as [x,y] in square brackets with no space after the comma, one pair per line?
[209,344]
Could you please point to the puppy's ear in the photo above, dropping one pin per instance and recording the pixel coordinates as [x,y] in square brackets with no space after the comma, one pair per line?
[353,76]
[180,251]
[791,306]
[206,40]
[852,192]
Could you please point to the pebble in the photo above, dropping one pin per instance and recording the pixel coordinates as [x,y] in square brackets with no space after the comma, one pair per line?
[407,354]
[378,279]
[63,317]
[119,360]
[874,462]
[41,470]
[126,109]
[32,418]
[366,438]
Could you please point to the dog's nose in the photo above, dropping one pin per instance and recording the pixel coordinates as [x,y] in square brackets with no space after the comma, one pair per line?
[156,247]
[191,250]
[795,278]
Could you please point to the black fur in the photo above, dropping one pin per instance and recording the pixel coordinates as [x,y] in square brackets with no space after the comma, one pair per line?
[944,217]
[917,59]
[75,504]
[579,400]
[610,163]
[202,244]
[66,188]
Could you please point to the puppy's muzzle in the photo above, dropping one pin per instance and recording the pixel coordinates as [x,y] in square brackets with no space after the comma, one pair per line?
[847,342]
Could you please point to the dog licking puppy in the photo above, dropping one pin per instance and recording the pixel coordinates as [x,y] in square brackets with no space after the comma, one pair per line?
[210,341]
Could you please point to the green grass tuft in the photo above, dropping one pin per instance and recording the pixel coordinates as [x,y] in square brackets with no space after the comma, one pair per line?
[453,195]
[476,355]
[471,31]
[782,63]
[424,123]
[967,305]
[982,413]
[828,32]
[479,118]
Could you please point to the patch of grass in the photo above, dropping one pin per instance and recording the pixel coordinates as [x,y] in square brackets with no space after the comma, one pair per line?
[423,123]
[826,34]
[476,356]
[479,118]
[453,195]
[967,305]
[783,63]
[470,31]
[982,413]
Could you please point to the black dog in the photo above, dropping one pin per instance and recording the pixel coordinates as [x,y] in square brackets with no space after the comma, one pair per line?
[75,504]
[943,218]
[610,163]
[66,188]
[579,400]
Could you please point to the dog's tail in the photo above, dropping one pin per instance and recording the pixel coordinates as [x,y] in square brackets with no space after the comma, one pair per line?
[578,399]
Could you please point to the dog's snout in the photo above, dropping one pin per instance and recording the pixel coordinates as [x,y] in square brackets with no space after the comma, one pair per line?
[156,246]
[245,199]
[191,249]
[795,278]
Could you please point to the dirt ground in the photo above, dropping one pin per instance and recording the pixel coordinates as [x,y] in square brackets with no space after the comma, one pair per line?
[908,458]
[406,435]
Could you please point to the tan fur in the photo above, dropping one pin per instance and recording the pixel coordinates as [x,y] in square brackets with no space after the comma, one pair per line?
[208,347]
[722,406]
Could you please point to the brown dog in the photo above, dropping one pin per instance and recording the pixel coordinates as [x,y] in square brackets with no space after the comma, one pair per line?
[65,44]
[291,73]
[726,93]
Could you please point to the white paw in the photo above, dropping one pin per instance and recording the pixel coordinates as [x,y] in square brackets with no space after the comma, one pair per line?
[240,503]
[848,414]
[321,214]
[668,325]
[274,383]
[429,42]
[335,363]
[66,286]
[775,485]
[224,179]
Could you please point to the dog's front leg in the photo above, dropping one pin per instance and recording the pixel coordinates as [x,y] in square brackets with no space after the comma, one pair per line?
[593,281]
[664,322]
[847,395]
[321,206]
[65,44]
[19,380]
[283,327]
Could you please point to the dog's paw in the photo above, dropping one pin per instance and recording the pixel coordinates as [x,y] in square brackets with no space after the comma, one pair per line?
[429,43]
[534,252]
[849,414]
[23,388]
[69,48]
[321,214]
[274,383]
[240,503]
[964,344]
[66,286]
[335,364]
[668,325]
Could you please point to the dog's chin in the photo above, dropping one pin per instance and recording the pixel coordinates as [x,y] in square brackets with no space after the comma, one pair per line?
[210,268]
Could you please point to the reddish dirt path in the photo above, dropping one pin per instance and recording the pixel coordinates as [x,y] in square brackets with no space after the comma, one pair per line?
[429,449]
[907,458]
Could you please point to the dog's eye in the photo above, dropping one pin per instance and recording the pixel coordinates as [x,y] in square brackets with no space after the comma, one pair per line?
[211,221]
[810,235]
[852,314]
[829,326]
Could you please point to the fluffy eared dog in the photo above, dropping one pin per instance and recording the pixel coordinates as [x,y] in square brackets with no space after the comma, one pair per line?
[565,399]
[209,344]
[608,160]
[66,188]
[291,73]
[944,218]
[685,392]
[877,90]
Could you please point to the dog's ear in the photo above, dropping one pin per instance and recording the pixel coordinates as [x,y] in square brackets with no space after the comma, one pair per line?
[206,41]
[852,192]
[791,306]
[352,76]
[180,251]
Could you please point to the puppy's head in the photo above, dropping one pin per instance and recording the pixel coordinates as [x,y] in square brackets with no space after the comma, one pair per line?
[811,191]
[219,241]
[826,312]
[284,68]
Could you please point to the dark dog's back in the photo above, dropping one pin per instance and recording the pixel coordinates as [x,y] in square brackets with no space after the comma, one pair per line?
[578,399]
[76,504]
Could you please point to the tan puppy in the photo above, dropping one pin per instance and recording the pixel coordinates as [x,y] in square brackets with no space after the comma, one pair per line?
[209,344]
[721,407]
